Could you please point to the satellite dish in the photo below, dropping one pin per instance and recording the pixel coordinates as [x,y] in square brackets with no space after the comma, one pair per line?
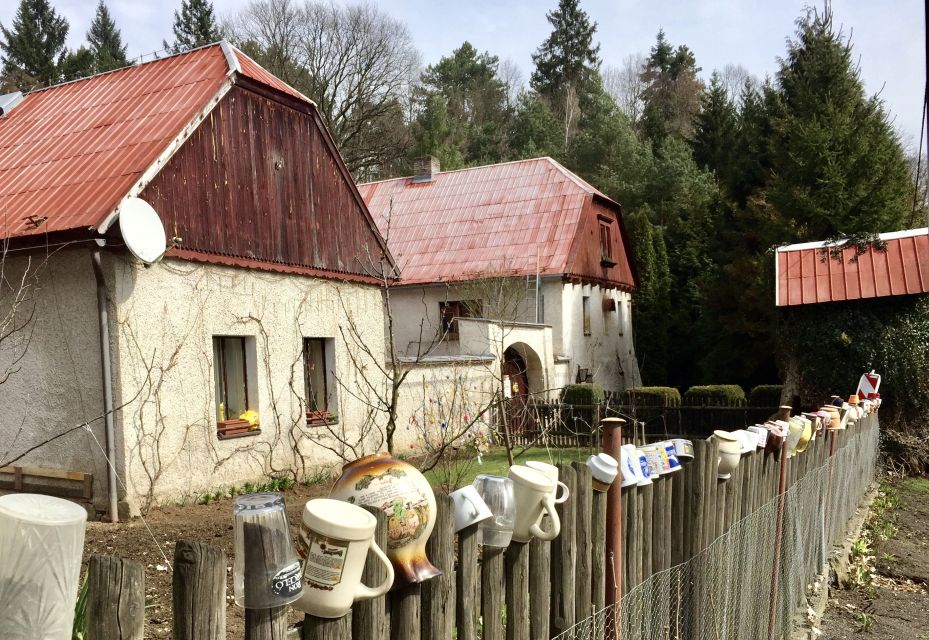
[142,230]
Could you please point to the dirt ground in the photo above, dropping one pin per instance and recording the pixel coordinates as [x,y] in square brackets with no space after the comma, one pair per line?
[895,605]
[210,523]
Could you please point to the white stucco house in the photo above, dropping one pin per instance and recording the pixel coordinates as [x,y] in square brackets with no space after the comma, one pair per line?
[222,363]
[522,267]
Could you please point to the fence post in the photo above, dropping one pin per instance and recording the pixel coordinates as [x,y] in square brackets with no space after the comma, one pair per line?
[564,555]
[584,495]
[778,538]
[612,429]
[468,583]
[406,613]
[540,587]
[327,628]
[517,592]
[199,591]
[369,618]
[439,592]
[493,586]
[260,542]
[115,599]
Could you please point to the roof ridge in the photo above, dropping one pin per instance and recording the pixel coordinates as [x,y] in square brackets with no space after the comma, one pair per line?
[218,43]
[462,169]
[822,244]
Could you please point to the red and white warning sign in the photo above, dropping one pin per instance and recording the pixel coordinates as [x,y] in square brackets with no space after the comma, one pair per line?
[869,383]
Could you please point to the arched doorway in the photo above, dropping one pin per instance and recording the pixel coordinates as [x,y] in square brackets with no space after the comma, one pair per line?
[522,377]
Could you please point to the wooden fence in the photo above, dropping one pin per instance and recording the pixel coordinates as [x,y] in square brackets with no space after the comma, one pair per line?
[542,589]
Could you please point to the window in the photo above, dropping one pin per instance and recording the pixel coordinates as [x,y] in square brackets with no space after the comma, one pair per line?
[457,309]
[585,301]
[606,244]
[318,382]
[234,382]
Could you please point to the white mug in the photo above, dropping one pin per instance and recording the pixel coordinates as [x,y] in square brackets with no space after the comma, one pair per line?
[334,540]
[603,471]
[533,492]
[551,471]
[468,507]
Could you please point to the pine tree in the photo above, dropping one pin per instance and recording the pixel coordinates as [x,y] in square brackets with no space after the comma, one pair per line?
[34,47]
[568,57]
[715,131]
[672,91]
[194,26]
[650,312]
[534,130]
[106,42]
[77,64]
[837,165]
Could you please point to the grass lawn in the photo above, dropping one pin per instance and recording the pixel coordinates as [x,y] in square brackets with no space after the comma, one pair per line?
[495,463]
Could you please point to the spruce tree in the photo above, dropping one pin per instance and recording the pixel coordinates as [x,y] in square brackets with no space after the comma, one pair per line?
[106,43]
[715,130]
[837,165]
[568,57]
[34,46]
[672,91]
[77,64]
[194,26]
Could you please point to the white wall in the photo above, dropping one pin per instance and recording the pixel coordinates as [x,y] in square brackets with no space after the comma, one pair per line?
[608,351]
[168,314]
[57,384]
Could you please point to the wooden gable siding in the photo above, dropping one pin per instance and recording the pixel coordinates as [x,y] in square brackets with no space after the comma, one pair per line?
[584,260]
[258,181]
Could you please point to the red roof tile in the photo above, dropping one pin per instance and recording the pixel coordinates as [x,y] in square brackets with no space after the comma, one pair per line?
[502,219]
[71,152]
[807,274]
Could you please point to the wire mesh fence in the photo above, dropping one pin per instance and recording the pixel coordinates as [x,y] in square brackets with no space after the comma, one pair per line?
[752,580]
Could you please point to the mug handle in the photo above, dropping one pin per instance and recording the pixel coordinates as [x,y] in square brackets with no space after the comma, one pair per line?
[565,493]
[364,592]
[549,505]
[475,508]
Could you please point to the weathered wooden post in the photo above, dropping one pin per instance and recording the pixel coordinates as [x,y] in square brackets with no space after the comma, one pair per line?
[493,585]
[564,557]
[778,538]
[517,591]
[369,617]
[584,495]
[261,544]
[612,429]
[199,591]
[540,587]
[439,593]
[468,584]
[115,599]
[406,613]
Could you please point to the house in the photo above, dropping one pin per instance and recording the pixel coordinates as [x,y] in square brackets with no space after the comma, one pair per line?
[222,362]
[521,266]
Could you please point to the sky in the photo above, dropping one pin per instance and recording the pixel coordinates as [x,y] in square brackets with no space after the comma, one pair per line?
[888,35]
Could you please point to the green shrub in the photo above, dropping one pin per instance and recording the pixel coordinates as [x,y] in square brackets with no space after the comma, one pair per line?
[715,395]
[652,397]
[765,395]
[582,394]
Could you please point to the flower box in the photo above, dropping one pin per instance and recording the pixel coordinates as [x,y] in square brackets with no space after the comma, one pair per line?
[321,418]
[235,429]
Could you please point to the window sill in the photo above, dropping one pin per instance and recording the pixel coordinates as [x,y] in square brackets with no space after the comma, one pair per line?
[235,429]
[320,418]
[607,262]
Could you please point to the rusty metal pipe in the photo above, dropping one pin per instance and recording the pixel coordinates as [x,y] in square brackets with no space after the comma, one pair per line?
[612,429]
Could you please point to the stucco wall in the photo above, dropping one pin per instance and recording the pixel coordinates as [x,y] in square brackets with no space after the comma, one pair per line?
[166,317]
[56,385]
[608,351]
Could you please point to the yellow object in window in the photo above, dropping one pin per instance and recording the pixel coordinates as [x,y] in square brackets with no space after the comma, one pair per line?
[250,416]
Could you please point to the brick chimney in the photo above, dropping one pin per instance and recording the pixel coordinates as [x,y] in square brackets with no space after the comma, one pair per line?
[425,168]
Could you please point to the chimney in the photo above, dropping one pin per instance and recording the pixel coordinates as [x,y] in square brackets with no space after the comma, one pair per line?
[8,101]
[425,168]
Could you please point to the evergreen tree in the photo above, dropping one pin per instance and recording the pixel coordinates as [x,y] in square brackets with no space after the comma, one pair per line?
[566,63]
[34,46]
[838,168]
[106,42]
[751,164]
[194,26]
[715,131]
[77,64]
[672,91]
[434,135]
[534,130]
[652,301]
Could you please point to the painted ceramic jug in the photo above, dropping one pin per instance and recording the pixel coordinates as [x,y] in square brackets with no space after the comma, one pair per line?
[404,495]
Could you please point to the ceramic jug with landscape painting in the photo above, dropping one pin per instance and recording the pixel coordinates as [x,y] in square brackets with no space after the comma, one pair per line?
[399,490]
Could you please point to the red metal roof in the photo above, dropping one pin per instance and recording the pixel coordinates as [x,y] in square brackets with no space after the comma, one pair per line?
[503,219]
[807,274]
[71,152]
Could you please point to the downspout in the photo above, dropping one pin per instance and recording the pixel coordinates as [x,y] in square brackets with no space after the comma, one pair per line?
[106,370]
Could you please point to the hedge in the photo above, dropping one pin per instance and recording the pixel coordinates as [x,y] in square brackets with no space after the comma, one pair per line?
[715,395]
[765,395]
[652,397]
[583,394]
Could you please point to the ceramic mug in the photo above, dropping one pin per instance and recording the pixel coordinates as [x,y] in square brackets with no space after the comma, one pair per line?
[684,449]
[551,471]
[533,492]
[334,540]
[672,464]
[761,435]
[603,471]
[468,507]
[730,452]
[629,461]
[643,471]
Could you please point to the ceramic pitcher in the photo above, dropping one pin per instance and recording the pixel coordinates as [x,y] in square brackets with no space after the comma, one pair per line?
[533,493]
[334,540]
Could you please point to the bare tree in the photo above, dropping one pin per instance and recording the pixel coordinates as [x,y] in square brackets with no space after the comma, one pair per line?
[17,312]
[624,83]
[356,62]
[513,79]
[733,77]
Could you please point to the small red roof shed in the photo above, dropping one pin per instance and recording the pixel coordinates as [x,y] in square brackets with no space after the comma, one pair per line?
[808,273]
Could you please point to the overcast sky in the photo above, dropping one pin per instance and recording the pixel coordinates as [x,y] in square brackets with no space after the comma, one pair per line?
[888,35]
